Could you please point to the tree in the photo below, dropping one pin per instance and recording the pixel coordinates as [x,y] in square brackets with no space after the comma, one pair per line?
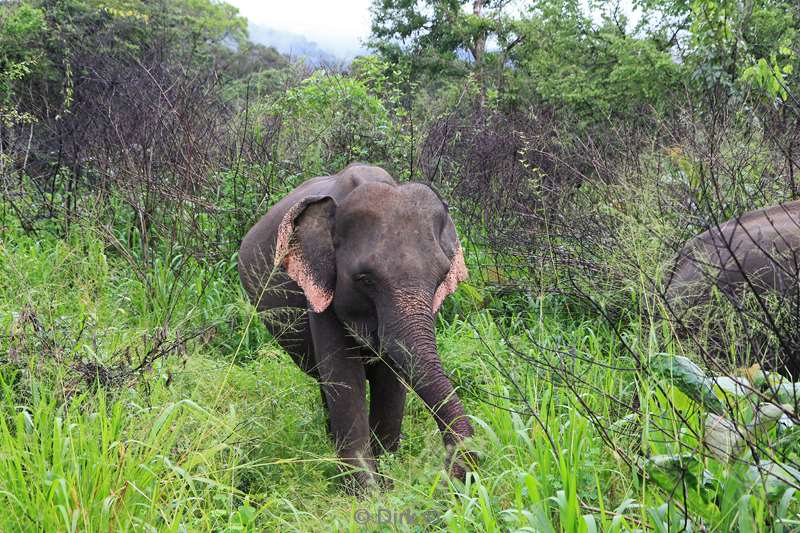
[730,45]
[21,27]
[444,30]
[593,70]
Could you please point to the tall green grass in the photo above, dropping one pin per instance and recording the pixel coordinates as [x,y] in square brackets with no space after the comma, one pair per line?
[230,435]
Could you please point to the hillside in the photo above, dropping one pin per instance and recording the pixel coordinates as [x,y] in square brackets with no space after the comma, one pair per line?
[292,45]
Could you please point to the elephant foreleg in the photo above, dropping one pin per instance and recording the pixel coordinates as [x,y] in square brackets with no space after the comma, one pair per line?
[343,382]
[386,406]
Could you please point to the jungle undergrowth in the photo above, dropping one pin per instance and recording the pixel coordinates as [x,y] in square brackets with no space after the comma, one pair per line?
[228,434]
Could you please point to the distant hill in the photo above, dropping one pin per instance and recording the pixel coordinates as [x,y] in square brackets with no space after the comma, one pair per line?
[292,45]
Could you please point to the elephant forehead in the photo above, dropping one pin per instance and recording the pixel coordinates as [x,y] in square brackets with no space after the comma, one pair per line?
[409,208]
[403,258]
[394,236]
[397,238]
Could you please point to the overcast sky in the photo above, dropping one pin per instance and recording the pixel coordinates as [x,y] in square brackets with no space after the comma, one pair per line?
[339,26]
[336,25]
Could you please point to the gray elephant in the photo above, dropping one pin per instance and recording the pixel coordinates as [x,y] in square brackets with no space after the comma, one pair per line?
[756,253]
[371,261]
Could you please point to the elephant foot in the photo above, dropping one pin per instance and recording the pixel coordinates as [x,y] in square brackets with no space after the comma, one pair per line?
[460,461]
[361,484]
[385,483]
[386,444]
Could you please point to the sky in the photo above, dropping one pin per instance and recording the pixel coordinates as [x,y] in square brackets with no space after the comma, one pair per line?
[339,26]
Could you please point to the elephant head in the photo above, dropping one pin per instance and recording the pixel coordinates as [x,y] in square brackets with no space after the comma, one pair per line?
[383,261]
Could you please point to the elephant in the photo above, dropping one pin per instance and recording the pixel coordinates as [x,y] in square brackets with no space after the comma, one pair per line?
[755,253]
[362,264]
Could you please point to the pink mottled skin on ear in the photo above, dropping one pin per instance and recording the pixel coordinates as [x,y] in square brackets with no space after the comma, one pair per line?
[456,274]
[318,298]
[296,267]
[285,230]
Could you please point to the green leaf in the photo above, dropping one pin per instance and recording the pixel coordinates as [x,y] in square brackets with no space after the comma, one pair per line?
[723,438]
[747,523]
[738,387]
[689,379]
[766,415]
[674,473]
[777,477]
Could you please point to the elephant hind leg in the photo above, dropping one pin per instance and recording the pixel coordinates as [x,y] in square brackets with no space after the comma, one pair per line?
[387,403]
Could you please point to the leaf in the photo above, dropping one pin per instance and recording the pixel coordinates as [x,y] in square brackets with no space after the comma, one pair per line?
[767,414]
[777,477]
[472,292]
[737,386]
[669,470]
[747,522]
[787,392]
[689,379]
[783,509]
[591,524]
[722,437]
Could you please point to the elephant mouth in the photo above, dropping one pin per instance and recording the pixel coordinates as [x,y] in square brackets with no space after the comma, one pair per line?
[366,333]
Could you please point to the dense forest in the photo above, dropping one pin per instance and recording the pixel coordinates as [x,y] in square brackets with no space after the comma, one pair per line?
[578,146]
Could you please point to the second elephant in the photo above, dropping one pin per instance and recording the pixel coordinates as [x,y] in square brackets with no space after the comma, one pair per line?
[755,254]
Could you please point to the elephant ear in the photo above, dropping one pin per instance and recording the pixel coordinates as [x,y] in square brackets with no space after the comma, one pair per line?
[458,269]
[304,248]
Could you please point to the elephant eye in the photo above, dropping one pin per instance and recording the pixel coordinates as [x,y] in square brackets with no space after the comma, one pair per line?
[364,279]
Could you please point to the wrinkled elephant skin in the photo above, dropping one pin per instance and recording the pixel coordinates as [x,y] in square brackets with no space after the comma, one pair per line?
[348,271]
[756,254]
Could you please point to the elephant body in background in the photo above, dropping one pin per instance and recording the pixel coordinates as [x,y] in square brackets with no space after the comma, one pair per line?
[370,261]
[756,253]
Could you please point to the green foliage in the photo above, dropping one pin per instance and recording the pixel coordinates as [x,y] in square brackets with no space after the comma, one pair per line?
[593,71]
[52,35]
[731,492]
[219,441]
[728,44]
[770,75]
[440,26]
[22,27]
[254,71]
[589,62]
[330,120]
[434,36]
[688,377]
[223,432]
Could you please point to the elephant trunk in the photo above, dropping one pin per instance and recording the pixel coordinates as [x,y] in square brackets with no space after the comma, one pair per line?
[411,344]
